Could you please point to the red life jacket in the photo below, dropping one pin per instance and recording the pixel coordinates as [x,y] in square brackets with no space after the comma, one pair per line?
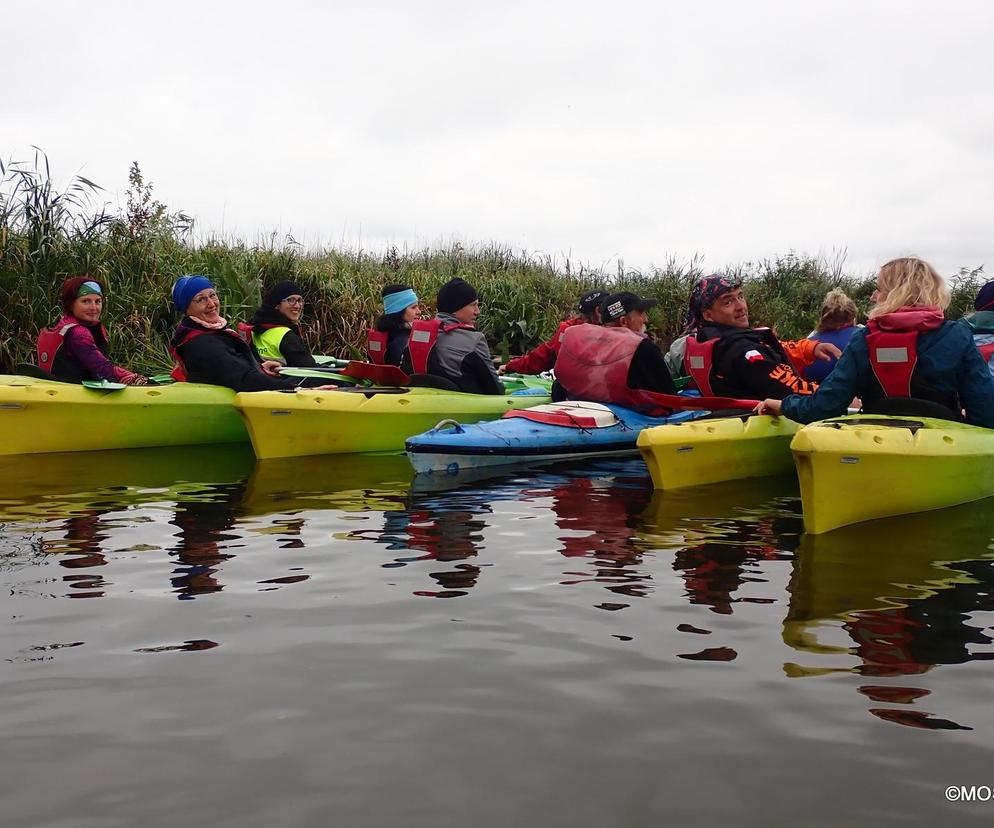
[179,369]
[424,337]
[51,340]
[698,360]
[593,364]
[986,351]
[893,356]
[376,346]
[244,331]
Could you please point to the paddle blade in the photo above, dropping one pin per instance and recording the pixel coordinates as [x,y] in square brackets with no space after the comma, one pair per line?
[376,374]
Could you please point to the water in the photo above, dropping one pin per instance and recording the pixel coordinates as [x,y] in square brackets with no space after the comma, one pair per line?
[193,638]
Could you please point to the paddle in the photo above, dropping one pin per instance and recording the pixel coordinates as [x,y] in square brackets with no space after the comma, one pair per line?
[334,362]
[710,403]
[316,371]
[377,374]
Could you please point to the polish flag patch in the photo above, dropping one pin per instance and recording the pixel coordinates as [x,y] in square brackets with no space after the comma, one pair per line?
[754,356]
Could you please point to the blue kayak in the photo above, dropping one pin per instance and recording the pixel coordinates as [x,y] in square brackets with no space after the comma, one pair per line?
[558,431]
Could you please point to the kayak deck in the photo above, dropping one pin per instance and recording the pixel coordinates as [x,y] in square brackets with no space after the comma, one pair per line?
[366,420]
[41,416]
[714,450]
[560,431]
[864,467]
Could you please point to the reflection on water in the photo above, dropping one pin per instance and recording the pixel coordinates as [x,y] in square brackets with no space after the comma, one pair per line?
[593,585]
[905,591]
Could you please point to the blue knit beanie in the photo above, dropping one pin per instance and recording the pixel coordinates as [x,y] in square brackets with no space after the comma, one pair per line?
[186,288]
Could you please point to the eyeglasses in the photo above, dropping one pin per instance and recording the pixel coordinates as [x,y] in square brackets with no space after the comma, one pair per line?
[294,300]
[203,300]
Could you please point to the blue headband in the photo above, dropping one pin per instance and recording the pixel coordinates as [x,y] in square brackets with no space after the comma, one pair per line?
[396,302]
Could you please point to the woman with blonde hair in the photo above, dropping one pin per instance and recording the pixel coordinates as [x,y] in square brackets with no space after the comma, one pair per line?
[908,360]
[836,324]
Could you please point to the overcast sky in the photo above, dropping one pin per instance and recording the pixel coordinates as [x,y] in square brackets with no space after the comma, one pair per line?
[602,131]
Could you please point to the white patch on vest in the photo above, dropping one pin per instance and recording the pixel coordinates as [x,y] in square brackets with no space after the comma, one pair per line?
[375,345]
[892,354]
[697,362]
[754,356]
[420,336]
[44,356]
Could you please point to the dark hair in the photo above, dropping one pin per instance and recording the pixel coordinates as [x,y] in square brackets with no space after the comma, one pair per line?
[388,322]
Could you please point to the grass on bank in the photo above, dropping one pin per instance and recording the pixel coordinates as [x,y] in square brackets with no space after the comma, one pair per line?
[48,234]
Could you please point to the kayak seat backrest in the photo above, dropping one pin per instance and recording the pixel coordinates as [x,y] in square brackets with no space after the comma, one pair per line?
[911,407]
[431,381]
[567,414]
[26,369]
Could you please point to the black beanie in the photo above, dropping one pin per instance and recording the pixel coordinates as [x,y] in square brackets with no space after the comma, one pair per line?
[455,294]
[278,292]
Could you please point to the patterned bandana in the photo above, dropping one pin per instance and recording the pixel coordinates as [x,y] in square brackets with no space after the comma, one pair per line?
[88,288]
[704,294]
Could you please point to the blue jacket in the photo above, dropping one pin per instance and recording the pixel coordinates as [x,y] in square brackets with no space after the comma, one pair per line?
[948,361]
[821,368]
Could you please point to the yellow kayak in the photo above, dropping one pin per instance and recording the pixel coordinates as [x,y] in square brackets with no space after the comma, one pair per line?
[863,467]
[710,451]
[348,421]
[39,416]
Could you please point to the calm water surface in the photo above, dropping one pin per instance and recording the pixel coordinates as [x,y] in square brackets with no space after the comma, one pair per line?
[195,638]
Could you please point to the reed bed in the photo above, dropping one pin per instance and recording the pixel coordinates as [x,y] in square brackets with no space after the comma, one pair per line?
[48,234]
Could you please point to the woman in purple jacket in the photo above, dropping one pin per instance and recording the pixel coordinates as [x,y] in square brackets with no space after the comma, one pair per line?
[76,348]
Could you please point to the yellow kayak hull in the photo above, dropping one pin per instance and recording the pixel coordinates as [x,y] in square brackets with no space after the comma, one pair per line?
[41,416]
[702,452]
[864,467]
[345,422]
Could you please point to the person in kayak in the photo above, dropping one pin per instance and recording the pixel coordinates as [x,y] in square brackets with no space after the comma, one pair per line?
[981,323]
[726,357]
[611,363]
[76,348]
[908,360]
[387,339]
[543,358]
[274,330]
[836,324]
[207,350]
[450,347]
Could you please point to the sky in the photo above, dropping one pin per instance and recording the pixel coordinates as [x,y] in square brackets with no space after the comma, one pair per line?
[624,132]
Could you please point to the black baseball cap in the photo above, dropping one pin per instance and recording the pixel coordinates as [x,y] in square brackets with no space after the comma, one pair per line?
[591,300]
[618,304]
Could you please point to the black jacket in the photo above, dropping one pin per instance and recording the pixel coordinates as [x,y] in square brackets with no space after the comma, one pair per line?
[220,357]
[751,363]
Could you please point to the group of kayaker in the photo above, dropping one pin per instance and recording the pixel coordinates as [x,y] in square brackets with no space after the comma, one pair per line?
[908,360]
[907,351]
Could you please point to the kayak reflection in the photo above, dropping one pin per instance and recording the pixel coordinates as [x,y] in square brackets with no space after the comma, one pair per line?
[903,590]
[72,502]
[719,535]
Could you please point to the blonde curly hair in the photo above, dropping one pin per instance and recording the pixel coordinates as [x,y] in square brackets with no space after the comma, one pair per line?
[909,282]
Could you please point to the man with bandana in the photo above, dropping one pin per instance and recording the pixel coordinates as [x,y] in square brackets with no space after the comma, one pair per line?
[726,357]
